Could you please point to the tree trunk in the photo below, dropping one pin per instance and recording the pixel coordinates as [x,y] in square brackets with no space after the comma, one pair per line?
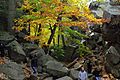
[3,14]
[58,39]
[63,41]
[52,35]
[11,14]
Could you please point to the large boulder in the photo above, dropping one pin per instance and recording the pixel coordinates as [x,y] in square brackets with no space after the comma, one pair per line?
[12,70]
[48,78]
[97,8]
[113,61]
[42,60]
[111,29]
[5,37]
[65,78]
[39,52]
[74,74]
[28,47]
[16,52]
[56,68]
[113,56]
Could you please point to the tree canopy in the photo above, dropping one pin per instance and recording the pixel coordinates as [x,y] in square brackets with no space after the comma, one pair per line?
[43,18]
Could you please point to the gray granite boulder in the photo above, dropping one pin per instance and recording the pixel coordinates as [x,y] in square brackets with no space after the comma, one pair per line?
[12,70]
[74,74]
[113,61]
[48,78]
[42,60]
[56,68]
[5,37]
[65,78]
[28,47]
[39,52]
[16,52]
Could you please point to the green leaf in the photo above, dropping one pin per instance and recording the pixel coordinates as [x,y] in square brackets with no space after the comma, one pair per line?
[75,33]
[29,17]
[33,1]
[47,1]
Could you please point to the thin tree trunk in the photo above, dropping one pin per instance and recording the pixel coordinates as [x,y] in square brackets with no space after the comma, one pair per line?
[36,29]
[39,29]
[52,35]
[54,41]
[53,31]
[63,41]
[58,39]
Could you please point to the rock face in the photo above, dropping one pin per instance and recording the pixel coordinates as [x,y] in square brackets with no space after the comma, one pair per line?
[29,47]
[16,52]
[49,78]
[12,70]
[74,74]
[5,37]
[65,78]
[111,34]
[56,68]
[113,61]
[48,64]
[38,52]
[44,59]
[111,29]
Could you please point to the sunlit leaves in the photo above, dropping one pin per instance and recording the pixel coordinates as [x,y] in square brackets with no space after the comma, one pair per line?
[34,1]
[69,9]
[18,29]
[47,1]
[101,0]
[40,15]
[64,19]
[28,17]
[73,2]
[83,24]
[74,33]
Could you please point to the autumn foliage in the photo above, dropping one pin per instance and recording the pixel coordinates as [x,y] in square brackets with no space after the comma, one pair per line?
[42,18]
